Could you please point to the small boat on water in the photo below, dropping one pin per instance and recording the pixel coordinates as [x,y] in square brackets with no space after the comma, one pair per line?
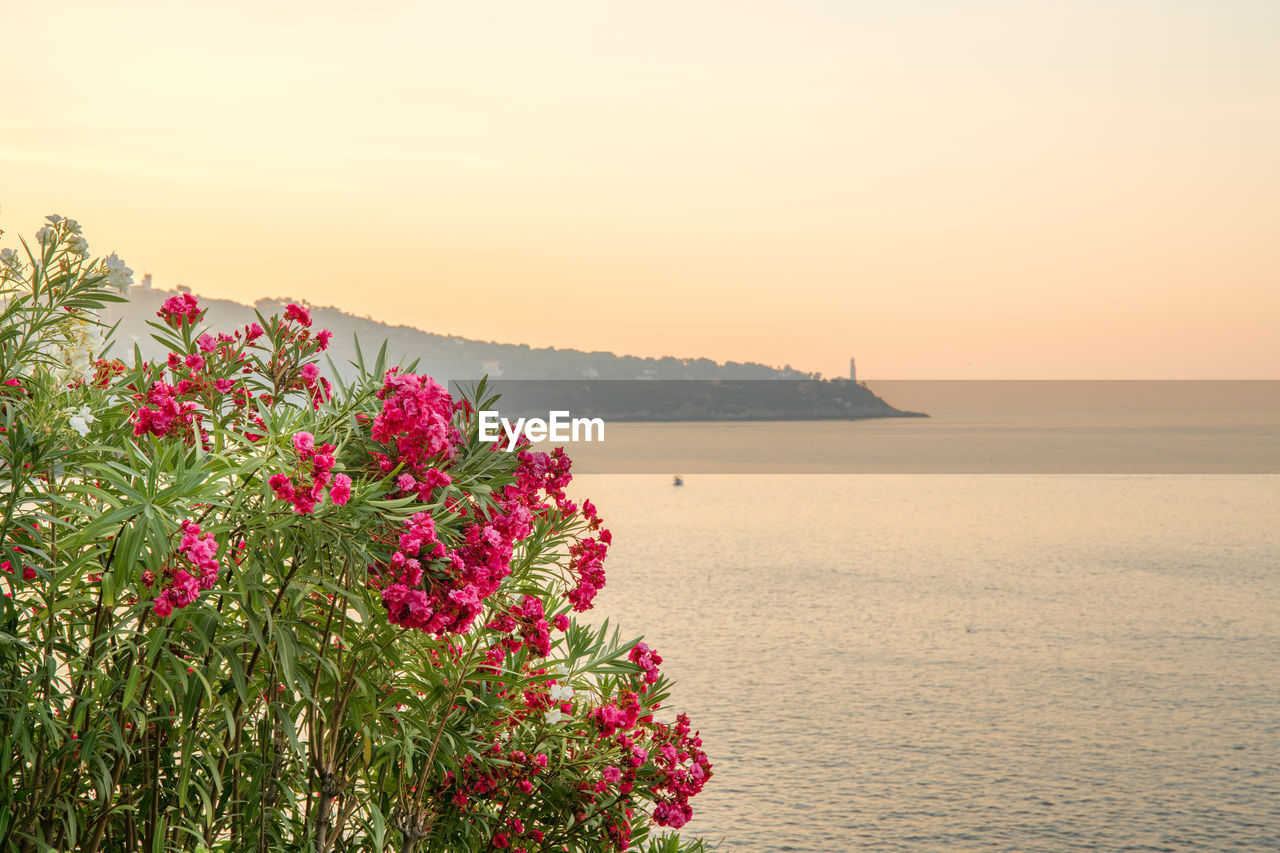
[677,480]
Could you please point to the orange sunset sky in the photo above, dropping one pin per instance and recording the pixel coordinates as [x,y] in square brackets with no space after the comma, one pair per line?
[949,189]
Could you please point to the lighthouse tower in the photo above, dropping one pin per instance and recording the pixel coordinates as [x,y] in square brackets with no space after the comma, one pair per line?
[853,371]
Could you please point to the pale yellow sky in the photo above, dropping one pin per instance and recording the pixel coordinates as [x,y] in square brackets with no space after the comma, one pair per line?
[950,189]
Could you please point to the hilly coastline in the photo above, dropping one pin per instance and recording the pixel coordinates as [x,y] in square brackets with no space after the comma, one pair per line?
[668,388]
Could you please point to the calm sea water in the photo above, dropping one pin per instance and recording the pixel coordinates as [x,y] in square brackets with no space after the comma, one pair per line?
[965,662]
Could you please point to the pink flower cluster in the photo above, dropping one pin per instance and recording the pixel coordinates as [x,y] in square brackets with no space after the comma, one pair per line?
[407,604]
[684,769]
[298,314]
[519,776]
[426,483]
[586,562]
[647,659]
[586,557]
[201,378]
[464,577]
[530,620]
[179,309]
[165,412]
[200,552]
[550,474]
[624,713]
[417,418]
[294,330]
[314,475]
[440,583]
[340,491]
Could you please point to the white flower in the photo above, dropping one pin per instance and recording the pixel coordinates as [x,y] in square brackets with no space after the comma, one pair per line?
[84,340]
[80,420]
[554,716]
[75,242]
[119,275]
[10,264]
[561,692]
[79,364]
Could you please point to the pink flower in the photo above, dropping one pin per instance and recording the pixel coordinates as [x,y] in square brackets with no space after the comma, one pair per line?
[185,589]
[224,385]
[304,443]
[561,622]
[202,550]
[195,362]
[340,491]
[431,480]
[163,607]
[323,339]
[282,486]
[252,332]
[324,459]
[612,775]
[206,343]
[672,815]
[309,373]
[298,313]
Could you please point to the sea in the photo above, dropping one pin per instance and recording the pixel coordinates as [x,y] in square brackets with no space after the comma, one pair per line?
[978,661]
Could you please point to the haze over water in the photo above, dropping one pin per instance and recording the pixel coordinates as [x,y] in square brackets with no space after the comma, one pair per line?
[964,662]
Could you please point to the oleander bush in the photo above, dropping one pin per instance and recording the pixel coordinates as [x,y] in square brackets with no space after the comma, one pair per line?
[248,609]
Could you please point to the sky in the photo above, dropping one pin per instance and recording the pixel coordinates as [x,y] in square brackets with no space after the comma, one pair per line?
[950,189]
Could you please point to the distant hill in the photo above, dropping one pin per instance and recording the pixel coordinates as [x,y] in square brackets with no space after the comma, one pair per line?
[442,356]
[447,357]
